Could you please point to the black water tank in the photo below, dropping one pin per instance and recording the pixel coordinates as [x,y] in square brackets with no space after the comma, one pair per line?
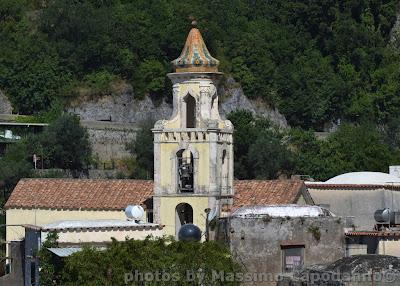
[189,232]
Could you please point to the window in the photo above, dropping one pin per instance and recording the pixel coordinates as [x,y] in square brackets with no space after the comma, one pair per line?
[190,111]
[185,171]
[293,258]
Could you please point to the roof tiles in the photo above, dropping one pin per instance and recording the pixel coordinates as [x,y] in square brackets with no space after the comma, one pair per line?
[79,194]
[117,194]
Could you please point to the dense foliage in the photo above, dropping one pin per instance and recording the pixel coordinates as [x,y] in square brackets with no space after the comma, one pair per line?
[265,152]
[259,149]
[126,263]
[50,268]
[64,144]
[352,148]
[141,148]
[318,61]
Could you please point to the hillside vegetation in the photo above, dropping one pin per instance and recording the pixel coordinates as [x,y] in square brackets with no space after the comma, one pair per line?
[319,62]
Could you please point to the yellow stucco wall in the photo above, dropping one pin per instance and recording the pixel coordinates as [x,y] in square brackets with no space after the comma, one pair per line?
[41,217]
[167,211]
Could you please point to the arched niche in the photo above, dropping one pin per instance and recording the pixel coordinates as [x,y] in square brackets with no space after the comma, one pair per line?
[183,215]
[189,114]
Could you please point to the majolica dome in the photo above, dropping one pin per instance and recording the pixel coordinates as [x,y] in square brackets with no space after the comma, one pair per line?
[195,56]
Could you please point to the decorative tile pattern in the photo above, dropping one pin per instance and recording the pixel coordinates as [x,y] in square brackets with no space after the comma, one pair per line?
[195,56]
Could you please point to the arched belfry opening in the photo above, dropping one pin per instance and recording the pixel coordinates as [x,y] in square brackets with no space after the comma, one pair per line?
[183,215]
[190,104]
[185,171]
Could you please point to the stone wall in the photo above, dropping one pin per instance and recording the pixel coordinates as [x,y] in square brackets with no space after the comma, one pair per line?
[5,104]
[109,139]
[257,243]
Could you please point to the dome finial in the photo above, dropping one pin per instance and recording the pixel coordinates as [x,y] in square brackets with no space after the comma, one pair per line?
[195,56]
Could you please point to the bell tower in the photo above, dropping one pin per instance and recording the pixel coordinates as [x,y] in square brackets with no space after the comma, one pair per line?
[193,151]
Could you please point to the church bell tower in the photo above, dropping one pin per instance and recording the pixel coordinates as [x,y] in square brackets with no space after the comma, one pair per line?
[193,151]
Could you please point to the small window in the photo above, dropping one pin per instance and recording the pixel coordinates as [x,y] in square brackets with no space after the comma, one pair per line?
[190,111]
[293,258]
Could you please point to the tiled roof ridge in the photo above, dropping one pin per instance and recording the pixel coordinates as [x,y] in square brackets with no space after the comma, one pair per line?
[83,179]
[351,186]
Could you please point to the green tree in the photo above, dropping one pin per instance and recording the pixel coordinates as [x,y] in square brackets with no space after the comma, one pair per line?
[352,148]
[50,270]
[64,144]
[268,157]
[15,164]
[142,151]
[259,149]
[177,259]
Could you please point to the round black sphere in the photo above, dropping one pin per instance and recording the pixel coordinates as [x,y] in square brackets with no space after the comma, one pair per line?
[189,232]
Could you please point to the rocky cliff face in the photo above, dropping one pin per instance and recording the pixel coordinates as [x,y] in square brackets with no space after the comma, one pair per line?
[395,33]
[233,98]
[5,104]
[124,108]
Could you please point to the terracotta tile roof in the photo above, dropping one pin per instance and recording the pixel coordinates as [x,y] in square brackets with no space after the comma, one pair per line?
[79,194]
[117,194]
[268,192]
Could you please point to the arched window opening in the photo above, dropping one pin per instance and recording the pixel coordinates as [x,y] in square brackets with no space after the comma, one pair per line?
[224,171]
[185,171]
[183,215]
[190,111]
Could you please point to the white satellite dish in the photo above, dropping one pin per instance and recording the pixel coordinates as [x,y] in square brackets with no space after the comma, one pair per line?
[213,213]
[134,212]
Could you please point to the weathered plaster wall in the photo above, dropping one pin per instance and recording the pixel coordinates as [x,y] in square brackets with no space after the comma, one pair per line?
[256,242]
[16,276]
[361,204]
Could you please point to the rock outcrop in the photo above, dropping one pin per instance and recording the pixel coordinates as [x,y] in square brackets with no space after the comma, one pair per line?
[5,104]
[124,108]
[395,32]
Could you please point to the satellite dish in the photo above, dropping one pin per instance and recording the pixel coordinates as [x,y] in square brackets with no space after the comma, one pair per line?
[212,214]
[134,212]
